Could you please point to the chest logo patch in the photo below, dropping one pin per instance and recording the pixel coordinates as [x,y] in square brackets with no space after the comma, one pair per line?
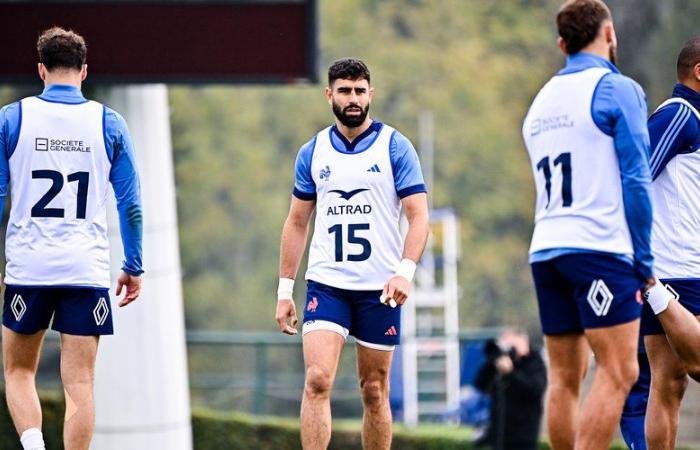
[325,173]
[348,195]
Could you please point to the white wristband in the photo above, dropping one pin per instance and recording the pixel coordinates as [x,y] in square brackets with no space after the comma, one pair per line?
[406,269]
[285,289]
[659,297]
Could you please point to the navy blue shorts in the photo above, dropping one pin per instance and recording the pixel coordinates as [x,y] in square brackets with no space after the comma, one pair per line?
[80,311]
[359,311]
[688,295]
[585,290]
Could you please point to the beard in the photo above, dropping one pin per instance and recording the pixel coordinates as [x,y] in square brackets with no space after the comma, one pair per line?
[350,121]
[613,54]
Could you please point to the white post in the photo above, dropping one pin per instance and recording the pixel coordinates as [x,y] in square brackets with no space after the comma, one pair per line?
[142,393]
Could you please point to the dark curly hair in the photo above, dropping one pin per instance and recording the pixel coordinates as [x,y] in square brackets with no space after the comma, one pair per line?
[579,21]
[348,69]
[62,49]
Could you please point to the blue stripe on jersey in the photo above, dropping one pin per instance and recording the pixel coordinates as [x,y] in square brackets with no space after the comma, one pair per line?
[360,143]
[674,129]
[303,195]
[665,144]
[417,189]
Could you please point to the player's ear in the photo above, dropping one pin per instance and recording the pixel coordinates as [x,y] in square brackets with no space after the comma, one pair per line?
[696,72]
[562,45]
[328,92]
[609,33]
[371,94]
[83,72]
[42,71]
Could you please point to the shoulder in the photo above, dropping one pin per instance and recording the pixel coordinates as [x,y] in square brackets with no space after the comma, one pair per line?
[10,112]
[308,146]
[400,144]
[677,115]
[306,152]
[113,121]
[619,88]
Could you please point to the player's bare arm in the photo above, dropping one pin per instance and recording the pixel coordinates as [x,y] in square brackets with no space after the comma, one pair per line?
[294,234]
[416,208]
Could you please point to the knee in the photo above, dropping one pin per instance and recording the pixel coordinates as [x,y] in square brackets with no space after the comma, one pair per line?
[375,393]
[676,384]
[318,383]
[566,381]
[14,372]
[624,375]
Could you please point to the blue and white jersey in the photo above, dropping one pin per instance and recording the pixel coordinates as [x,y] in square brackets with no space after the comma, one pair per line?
[675,136]
[59,154]
[588,144]
[358,189]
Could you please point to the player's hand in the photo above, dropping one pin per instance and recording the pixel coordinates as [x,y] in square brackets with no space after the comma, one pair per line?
[132,284]
[287,313]
[648,284]
[397,288]
[504,364]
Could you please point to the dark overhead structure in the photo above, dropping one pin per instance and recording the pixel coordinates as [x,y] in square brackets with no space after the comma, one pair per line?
[225,41]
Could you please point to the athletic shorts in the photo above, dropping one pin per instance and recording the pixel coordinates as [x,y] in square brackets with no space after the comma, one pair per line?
[359,313]
[688,295]
[585,290]
[80,311]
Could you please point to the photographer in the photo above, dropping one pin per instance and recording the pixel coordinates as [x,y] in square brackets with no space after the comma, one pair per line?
[516,379]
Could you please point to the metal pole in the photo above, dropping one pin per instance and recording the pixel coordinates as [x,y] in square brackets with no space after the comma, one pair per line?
[142,392]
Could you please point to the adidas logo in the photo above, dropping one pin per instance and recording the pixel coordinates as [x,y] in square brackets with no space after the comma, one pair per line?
[374,168]
[391,331]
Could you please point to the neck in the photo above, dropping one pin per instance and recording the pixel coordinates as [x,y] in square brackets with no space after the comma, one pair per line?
[350,133]
[598,48]
[63,77]
[692,84]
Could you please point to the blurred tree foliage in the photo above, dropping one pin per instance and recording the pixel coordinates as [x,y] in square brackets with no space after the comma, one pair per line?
[474,64]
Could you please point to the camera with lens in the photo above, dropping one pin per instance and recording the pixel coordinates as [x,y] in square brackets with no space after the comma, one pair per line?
[493,349]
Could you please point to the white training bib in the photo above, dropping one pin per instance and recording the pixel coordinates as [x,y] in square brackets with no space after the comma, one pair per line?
[59,181]
[576,170]
[356,243]
[676,202]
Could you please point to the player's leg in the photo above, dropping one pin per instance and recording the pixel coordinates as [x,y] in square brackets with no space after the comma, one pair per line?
[680,321]
[20,361]
[326,321]
[568,361]
[377,330]
[609,306]
[82,315]
[567,350]
[321,354]
[78,355]
[668,383]
[683,333]
[26,315]
[373,367]
[615,350]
